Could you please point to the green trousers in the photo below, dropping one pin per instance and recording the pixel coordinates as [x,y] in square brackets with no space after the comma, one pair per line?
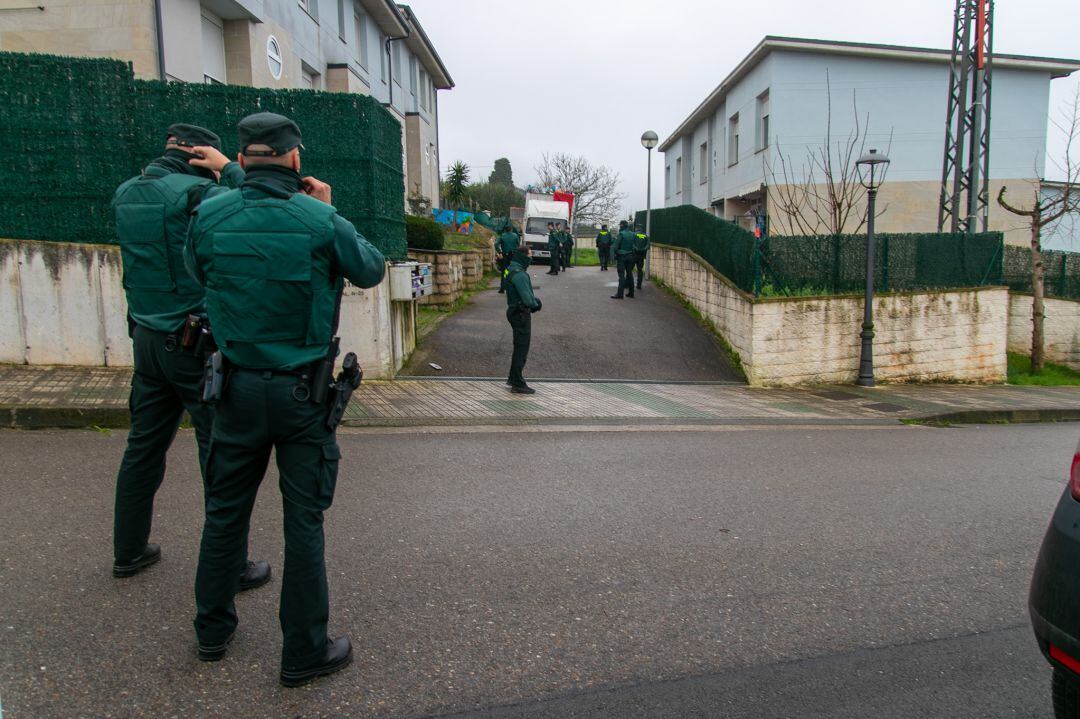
[257,414]
[521,324]
[165,383]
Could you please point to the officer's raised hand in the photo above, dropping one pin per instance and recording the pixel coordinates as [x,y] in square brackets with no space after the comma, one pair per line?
[316,188]
[209,157]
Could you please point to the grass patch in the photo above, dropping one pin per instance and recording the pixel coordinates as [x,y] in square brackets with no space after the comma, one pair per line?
[481,238]
[733,356]
[586,257]
[770,290]
[1053,375]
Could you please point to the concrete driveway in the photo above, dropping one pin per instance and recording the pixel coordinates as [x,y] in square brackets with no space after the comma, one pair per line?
[580,334]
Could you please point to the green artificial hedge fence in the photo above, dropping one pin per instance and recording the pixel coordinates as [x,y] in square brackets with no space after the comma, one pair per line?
[75,128]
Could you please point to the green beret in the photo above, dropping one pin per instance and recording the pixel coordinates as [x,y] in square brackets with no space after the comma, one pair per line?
[277,132]
[193,136]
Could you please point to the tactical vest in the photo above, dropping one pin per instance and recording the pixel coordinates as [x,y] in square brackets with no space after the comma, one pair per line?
[268,278]
[152,214]
[640,242]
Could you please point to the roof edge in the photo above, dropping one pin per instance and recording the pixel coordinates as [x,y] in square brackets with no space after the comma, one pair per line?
[1057,67]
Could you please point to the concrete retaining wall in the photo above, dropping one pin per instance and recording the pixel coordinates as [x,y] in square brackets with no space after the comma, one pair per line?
[453,272]
[64,304]
[956,335]
[1061,327]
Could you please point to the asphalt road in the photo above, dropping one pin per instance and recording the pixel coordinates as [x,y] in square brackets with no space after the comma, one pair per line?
[580,334]
[737,572]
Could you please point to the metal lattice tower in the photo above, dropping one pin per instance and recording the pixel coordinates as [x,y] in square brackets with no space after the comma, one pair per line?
[965,201]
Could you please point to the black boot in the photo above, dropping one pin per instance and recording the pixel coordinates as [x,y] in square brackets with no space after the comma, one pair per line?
[337,656]
[255,575]
[150,555]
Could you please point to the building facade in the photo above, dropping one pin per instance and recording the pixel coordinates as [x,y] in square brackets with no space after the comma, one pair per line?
[371,47]
[752,137]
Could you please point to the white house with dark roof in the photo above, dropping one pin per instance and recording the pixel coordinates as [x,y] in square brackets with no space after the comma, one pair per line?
[726,154]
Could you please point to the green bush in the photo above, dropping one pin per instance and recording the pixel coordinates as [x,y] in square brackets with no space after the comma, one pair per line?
[423,233]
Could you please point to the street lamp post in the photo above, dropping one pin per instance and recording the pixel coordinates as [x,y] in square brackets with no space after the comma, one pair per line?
[867,166]
[648,141]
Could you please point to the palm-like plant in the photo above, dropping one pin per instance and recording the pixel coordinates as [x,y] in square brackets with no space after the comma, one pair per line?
[456,190]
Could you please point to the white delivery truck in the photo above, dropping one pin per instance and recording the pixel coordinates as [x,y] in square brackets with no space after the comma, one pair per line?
[540,209]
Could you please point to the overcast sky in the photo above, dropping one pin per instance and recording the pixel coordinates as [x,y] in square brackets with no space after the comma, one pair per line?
[589,76]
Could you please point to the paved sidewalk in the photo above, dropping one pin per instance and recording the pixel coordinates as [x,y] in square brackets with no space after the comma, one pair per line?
[80,397]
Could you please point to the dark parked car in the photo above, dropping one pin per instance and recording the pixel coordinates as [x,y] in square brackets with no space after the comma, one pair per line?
[1055,597]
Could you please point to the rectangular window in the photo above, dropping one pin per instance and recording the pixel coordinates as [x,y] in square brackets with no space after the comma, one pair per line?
[703,162]
[424,89]
[341,19]
[761,138]
[382,58]
[667,181]
[309,79]
[413,77]
[733,140]
[397,61]
[360,22]
[311,7]
[678,175]
[213,49]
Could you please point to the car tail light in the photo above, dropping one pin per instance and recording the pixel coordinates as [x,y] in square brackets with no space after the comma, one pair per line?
[1064,658]
[1074,477]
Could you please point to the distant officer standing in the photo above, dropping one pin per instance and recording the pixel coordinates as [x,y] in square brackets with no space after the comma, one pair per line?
[167,318]
[567,247]
[603,247]
[273,256]
[521,303]
[554,247]
[625,259]
[506,244]
[641,249]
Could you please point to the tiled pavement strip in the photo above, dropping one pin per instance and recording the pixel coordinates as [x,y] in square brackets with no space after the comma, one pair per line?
[488,402]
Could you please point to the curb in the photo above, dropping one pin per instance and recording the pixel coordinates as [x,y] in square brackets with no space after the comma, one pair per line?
[30,417]
[1003,416]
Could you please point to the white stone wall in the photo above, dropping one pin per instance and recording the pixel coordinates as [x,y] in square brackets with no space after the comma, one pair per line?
[726,306]
[958,336]
[1061,327]
[64,304]
[955,336]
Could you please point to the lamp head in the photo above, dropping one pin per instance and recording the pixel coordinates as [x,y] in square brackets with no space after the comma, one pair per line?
[649,140]
[867,166]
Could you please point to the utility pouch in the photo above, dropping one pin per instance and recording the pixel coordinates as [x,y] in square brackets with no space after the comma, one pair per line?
[348,379]
[214,378]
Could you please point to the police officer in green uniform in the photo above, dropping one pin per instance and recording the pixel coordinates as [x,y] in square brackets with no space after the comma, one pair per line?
[567,247]
[603,247]
[554,247]
[641,249]
[521,303]
[166,315]
[504,246]
[273,256]
[625,258]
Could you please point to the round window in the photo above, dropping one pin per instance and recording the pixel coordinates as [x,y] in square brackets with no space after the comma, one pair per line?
[273,56]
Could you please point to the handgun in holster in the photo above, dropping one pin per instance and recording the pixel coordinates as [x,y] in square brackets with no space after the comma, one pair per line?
[214,376]
[348,379]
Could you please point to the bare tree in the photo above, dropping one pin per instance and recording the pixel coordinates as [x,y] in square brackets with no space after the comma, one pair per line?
[1046,209]
[826,195]
[595,187]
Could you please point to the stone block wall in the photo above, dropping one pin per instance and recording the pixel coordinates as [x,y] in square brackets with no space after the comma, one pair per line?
[958,335]
[1061,327]
[453,272]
